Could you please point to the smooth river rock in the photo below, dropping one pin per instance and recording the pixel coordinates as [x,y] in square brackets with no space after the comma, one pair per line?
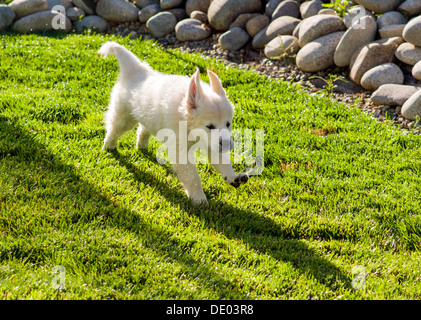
[390,18]
[242,19]
[408,53]
[75,13]
[23,8]
[7,15]
[412,107]
[42,21]
[318,54]
[416,71]
[287,8]
[311,8]
[356,13]
[92,22]
[280,26]
[371,55]
[197,5]
[233,39]
[353,39]
[85,5]
[410,7]
[222,12]
[161,24]
[191,30]
[256,24]
[393,94]
[412,31]
[170,4]
[388,73]
[318,26]
[280,46]
[395,30]
[148,11]
[379,6]
[117,10]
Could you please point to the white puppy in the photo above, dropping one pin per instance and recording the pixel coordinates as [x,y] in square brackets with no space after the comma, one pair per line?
[159,101]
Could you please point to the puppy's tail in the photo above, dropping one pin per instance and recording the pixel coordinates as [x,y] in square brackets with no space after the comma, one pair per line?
[127,61]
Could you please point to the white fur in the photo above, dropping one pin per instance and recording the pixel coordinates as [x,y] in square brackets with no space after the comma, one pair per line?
[156,101]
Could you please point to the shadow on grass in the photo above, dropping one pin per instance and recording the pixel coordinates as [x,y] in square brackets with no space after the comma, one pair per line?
[259,232]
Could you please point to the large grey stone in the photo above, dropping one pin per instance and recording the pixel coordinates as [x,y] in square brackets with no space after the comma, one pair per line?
[318,26]
[85,5]
[191,30]
[280,46]
[222,12]
[410,7]
[408,53]
[148,11]
[233,39]
[271,6]
[197,5]
[353,39]
[92,22]
[388,73]
[296,31]
[390,18]
[416,71]
[199,15]
[379,6]
[23,8]
[42,21]
[143,3]
[395,30]
[75,13]
[355,14]
[411,109]
[371,55]
[161,24]
[327,11]
[169,4]
[280,26]
[65,3]
[242,19]
[393,94]
[179,13]
[7,15]
[310,8]
[256,24]
[412,31]
[318,54]
[287,8]
[117,10]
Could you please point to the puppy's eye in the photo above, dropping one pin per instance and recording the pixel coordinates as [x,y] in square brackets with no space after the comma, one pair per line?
[210,126]
[228,124]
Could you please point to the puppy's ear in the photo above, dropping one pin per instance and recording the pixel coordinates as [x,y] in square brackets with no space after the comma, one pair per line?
[216,83]
[195,91]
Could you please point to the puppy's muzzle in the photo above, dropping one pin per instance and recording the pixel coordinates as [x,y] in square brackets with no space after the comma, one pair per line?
[226,145]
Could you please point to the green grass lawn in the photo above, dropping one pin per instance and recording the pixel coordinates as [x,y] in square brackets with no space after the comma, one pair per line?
[339,190]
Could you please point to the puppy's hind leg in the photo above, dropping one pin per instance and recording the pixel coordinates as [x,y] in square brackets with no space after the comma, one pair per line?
[142,137]
[117,124]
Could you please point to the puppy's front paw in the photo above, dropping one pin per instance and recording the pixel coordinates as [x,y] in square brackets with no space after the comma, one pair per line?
[240,179]
[199,199]
[109,146]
